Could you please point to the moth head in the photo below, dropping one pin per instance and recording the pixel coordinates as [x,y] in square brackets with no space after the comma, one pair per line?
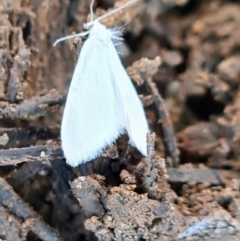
[88,25]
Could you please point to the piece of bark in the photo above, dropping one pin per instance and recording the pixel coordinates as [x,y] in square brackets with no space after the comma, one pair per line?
[36,20]
[90,195]
[185,175]
[15,90]
[5,59]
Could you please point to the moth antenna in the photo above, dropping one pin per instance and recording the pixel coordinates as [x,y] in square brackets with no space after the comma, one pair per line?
[91,10]
[70,36]
[116,10]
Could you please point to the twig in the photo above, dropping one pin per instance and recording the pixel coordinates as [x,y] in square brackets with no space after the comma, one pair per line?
[166,124]
[28,154]
[10,230]
[34,107]
[150,145]
[19,208]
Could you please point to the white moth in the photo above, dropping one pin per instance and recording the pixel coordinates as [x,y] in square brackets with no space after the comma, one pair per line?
[102,102]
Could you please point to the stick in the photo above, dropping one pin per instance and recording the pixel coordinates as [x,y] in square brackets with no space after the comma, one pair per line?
[166,124]
[34,107]
[26,154]
[9,199]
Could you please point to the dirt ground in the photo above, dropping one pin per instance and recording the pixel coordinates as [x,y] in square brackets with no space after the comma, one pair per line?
[184,59]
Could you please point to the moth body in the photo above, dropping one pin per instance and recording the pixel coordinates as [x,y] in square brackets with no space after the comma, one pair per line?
[102,102]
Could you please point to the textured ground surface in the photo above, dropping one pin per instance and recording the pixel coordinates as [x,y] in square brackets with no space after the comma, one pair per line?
[184,59]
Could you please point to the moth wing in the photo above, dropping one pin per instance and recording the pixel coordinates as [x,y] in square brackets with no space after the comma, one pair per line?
[90,120]
[135,118]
